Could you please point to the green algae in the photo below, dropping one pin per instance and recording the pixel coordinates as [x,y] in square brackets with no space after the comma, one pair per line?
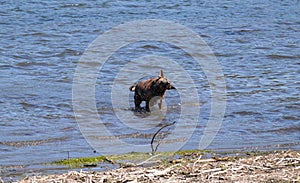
[127,159]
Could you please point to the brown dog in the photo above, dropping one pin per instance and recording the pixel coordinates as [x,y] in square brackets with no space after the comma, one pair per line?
[148,89]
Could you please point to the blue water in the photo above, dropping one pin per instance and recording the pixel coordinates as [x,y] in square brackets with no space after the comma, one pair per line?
[256,43]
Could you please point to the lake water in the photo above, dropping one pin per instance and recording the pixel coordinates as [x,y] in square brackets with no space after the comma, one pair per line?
[257,44]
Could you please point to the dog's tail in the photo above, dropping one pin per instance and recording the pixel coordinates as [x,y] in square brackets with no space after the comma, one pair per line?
[132,88]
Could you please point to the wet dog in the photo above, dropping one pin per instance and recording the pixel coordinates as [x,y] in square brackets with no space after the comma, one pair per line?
[151,90]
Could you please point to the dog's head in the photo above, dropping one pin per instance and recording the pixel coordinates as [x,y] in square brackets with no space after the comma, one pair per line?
[163,83]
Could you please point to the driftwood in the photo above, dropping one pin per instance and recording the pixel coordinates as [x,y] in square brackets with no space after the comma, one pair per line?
[274,167]
[153,138]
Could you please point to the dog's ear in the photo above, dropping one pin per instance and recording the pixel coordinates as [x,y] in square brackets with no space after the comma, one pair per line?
[161,74]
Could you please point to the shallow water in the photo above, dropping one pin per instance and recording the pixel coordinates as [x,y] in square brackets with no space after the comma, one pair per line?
[256,43]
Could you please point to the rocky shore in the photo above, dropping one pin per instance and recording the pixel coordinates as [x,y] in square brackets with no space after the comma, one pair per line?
[278,166]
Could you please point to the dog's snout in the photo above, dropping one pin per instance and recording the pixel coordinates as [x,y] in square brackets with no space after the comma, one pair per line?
[171,87]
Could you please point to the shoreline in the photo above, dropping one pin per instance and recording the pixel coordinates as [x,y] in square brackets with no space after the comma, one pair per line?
[275,166]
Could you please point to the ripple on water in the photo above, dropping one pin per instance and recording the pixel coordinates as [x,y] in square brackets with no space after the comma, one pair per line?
[284,130]
[32,142]
[247,113]
[32,63]
[277,56]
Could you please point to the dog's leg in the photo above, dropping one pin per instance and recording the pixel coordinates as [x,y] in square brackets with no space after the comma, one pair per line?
[137,102]
[160,103]
[147,106]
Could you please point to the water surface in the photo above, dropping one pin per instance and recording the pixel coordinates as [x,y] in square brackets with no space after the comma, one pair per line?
[256,43]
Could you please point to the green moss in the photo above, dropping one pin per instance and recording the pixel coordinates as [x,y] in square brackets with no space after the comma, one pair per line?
[159,158]
[192,152]
[81,162]
[260,153]
[128,158]
[223,168]
[132,156]
[247,153]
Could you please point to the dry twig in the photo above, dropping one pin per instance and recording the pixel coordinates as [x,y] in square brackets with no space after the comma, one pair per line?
[152,140]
